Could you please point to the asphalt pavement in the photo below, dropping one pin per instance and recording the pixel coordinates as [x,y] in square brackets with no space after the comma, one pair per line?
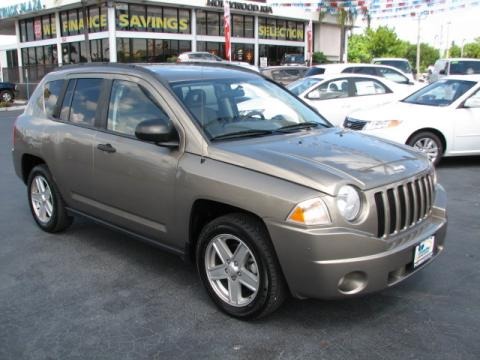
[92,293]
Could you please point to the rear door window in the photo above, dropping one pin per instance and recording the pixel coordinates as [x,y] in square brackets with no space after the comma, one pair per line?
[85,101]
[364,87]
[51,93]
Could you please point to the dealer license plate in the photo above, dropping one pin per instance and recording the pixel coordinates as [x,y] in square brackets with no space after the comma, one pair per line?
[423,251]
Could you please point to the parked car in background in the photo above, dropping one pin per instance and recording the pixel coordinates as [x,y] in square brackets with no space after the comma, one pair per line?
[203,56]
[384,71]
[264,202]
[454,66]
[442,119]
[336,96]
[7,92]
[293,59]
[284,75]
[401,64]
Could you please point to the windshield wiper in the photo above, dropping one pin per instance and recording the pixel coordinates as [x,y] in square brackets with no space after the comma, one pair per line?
[243,133]
[304,125]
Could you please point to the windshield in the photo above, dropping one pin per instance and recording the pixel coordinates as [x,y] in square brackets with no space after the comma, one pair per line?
[464,67]
[299,86]
[399,64]
[294,59]
[249,107]
[440,93]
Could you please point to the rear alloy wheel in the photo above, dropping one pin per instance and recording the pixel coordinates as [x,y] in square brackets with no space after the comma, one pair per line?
[6,96]
[429,144]
[46,203]
[238,267]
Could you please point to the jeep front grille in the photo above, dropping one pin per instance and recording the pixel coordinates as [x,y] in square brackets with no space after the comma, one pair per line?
[404,205]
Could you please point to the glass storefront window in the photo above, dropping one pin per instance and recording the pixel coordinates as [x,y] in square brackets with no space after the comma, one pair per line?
[184,21]
[71,28]
[29,24]
[282,29]
[240,52]
[278,29]
[249,27]
[152,18]
[39,55]
[75,52]
[156,13]
[201,22]
[213,23]
[123,50]
[275,53]
[150,50]
[237,25]
[170,20]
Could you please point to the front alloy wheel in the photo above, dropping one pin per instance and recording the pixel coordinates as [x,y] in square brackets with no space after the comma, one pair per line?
[238,266]
[232,270]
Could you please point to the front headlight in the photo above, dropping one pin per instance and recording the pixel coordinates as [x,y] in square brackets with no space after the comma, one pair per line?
[348,202]
[381,124]
[310,212]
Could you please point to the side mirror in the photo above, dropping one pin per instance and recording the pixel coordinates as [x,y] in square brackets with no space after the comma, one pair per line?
[158,132]
[473,102]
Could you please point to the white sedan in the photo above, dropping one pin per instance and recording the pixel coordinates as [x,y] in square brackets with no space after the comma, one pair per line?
[441,119]
[336,96]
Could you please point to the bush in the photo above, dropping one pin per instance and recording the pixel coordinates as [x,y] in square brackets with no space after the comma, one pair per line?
[319,58]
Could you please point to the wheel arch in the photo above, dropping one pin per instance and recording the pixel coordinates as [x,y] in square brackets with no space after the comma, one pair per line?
[433,131]
[202,212]
[28,163]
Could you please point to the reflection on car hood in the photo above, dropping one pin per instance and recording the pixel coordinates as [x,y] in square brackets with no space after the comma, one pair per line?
[323,159]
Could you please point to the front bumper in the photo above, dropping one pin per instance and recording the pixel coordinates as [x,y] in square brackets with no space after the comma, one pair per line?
[333,263]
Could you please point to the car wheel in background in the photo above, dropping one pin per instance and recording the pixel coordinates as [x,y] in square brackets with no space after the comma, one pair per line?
[6,96]
[239,268]
[46,203]
[428,143]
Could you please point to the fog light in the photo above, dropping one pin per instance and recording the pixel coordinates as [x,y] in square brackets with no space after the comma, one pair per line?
[352,283]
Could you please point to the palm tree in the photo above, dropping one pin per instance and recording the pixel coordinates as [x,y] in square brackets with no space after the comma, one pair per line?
[346,19]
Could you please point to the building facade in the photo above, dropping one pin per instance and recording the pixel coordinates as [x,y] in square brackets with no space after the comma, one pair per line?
[50,33]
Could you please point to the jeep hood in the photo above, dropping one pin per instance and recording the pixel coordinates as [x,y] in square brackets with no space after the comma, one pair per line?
[323,159]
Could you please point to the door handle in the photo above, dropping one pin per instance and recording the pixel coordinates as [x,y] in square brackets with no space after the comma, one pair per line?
[106,147]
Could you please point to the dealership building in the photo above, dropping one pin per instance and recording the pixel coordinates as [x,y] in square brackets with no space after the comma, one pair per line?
[50,33]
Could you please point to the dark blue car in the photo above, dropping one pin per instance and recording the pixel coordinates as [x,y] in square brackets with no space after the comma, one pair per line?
[7,91]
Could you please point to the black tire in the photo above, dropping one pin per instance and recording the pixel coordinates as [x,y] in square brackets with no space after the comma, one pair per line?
[272,289]
[426,136]
[6,96]
[59,219]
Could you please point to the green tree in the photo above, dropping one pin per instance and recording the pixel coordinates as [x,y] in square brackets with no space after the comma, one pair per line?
[472,50]
[358,50]
[428,55]
[345,18]
[455,50]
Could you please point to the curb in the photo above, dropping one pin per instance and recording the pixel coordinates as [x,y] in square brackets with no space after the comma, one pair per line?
[13,108]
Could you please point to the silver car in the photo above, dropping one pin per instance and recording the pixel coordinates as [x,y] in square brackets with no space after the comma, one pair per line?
[232,172]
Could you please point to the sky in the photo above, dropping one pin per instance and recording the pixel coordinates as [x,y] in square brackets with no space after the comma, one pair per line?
[456,25]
